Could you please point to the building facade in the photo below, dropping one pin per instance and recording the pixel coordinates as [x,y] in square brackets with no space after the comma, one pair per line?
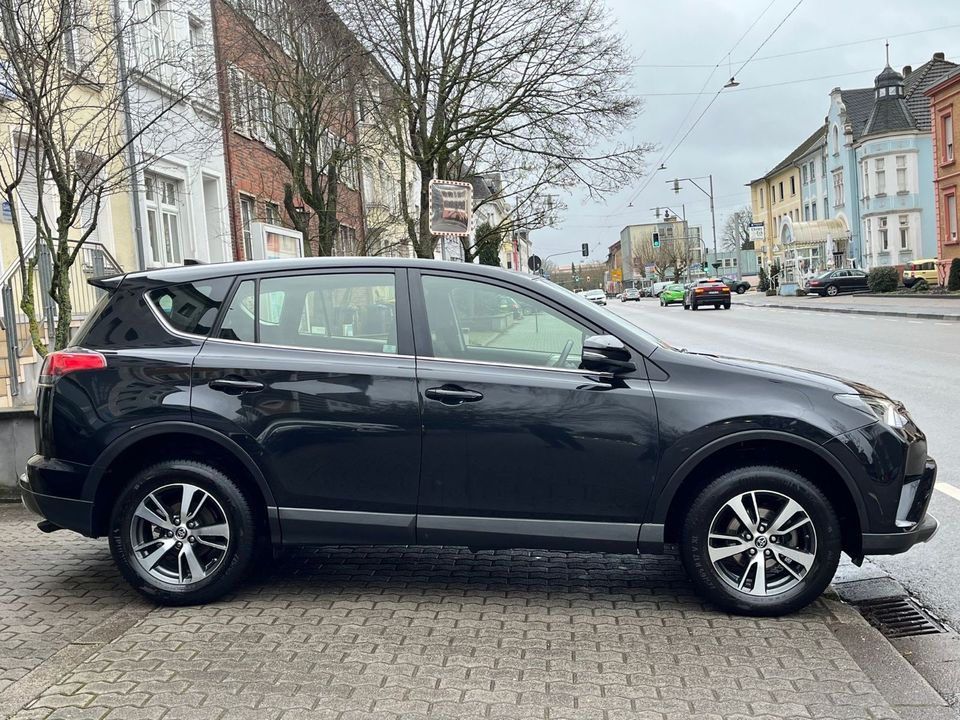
[262,223]
[945,119]
[775,199]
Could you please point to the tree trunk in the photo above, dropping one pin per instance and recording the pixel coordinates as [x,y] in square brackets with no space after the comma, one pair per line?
[425,241]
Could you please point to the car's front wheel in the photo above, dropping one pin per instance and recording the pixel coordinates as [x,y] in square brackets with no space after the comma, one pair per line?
[761,540]
[182,533]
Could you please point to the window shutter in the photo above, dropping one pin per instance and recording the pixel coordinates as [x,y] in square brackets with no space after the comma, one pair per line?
[235,80]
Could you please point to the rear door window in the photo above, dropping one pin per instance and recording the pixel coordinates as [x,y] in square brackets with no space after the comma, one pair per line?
[353,312]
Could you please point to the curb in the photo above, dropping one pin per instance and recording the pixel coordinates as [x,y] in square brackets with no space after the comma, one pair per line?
[859,311]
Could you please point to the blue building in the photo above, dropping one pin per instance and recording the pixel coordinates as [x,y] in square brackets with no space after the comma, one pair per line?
[879,156]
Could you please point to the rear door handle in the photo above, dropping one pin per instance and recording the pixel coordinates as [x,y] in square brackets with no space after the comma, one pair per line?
[235,387]
[452,395]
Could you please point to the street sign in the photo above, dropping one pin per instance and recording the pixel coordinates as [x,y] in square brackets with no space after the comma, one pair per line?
[757,233]
[534,263]
[616,275]
[451,205]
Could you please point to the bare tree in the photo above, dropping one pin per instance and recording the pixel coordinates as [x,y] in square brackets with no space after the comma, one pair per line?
[736,230]
[537,87]
[671,259]
[80,128]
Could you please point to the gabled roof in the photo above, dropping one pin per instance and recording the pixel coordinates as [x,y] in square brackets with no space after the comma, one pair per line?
[859,103]
[952,75]
[925,76]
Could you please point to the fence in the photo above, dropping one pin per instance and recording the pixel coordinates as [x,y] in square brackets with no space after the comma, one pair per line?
[93,260]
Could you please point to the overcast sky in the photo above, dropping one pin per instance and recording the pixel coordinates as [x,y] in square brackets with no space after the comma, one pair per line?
[750,129]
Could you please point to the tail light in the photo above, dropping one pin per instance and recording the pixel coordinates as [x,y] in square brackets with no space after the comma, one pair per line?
[698,290]
[813,282]
[63,362]
[725,289]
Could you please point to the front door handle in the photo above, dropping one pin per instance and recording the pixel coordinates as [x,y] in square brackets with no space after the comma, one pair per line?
[452,395]
[235,386]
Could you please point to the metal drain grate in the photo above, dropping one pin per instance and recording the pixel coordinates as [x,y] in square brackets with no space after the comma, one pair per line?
[899,617]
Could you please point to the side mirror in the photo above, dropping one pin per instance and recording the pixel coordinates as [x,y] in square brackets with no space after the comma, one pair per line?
[605,353]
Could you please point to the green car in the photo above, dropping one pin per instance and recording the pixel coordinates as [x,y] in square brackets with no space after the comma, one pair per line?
[671,294]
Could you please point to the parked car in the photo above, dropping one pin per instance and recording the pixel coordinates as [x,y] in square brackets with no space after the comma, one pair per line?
[921,270]
[672,294]
[709,291]
[596,296]
[657,288]
[629,294]
[207,414]
[737,286]
[834,282]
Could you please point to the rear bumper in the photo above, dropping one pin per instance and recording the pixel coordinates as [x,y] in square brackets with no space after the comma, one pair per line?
[895,543]
[42,492]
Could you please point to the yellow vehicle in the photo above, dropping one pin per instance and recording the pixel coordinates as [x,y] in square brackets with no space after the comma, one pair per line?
[921,270]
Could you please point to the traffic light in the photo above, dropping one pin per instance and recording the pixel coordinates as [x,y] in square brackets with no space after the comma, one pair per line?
[585,249]
[656,239]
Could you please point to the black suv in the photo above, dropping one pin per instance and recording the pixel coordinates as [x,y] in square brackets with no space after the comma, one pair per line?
[208,414]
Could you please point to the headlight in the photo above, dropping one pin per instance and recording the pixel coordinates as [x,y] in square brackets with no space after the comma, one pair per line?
[884,410]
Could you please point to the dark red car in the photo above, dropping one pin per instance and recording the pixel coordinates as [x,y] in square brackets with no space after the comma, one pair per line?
[709,291]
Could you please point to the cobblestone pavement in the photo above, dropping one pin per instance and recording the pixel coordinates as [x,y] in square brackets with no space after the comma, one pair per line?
[406,633]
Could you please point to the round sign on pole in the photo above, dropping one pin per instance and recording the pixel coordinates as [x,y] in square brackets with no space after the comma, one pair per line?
[534,263]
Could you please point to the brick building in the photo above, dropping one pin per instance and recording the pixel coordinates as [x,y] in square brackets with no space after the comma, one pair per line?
[945,112]
[261,224]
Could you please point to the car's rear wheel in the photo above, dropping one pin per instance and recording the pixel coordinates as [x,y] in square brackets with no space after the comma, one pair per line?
[741,290]
[832,290]
[693,306]
[761,540]
[182,533]
[726,306]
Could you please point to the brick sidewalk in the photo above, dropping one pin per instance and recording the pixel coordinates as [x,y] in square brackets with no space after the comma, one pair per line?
[406,633]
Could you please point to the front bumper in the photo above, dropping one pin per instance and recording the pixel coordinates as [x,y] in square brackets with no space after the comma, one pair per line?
[42,491]
[913,523]
[895,543]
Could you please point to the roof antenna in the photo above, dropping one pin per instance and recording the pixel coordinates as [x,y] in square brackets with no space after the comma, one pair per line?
[887,44]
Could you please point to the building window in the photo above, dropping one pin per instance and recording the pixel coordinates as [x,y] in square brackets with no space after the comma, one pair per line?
[806,212]
[836,140]
[838,187]
[869,233]
[346,241]
[823,166]
[161,196]
[904,232]
[781,192]
[866,179]
[271,213]
[247,216]
[804,172]
[884,240]
[761,193]
[881,177]
[77,37]
[793,186]
[155,30]
[901,173]
[947,126]
[950,207]
[826,209]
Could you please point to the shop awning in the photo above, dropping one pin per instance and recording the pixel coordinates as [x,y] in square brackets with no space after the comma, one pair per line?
[817,232]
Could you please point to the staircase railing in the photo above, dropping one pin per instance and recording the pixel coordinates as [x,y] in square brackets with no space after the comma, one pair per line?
[93,260]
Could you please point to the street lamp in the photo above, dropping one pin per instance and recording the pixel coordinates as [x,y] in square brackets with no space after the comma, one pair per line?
[713,218]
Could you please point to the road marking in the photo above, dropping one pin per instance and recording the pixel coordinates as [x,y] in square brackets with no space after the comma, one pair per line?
[949,324]
[915,322]
[948,489]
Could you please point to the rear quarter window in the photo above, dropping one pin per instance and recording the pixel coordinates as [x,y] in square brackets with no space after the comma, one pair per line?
[191,307]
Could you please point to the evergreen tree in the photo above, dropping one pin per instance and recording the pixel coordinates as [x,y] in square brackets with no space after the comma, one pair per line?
[953,281]
[764,283]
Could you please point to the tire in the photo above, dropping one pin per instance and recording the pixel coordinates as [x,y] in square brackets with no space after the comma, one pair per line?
[789,585]
[832,290]
[223,558]
[741,290]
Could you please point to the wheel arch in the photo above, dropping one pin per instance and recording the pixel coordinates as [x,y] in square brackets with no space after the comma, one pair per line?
[151,443]
[769,448]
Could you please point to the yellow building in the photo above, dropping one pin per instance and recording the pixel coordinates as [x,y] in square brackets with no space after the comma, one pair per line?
[86,113]
[776,197]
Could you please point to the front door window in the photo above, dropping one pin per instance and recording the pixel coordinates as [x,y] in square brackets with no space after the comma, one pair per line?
[475,321]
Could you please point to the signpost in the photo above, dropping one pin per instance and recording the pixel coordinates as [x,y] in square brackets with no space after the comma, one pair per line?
[616,275]
[451,207]
[534,263]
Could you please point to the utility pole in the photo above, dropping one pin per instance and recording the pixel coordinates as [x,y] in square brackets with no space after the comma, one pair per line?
[713,216]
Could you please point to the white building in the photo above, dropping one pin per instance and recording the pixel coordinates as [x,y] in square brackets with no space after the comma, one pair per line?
[180,187]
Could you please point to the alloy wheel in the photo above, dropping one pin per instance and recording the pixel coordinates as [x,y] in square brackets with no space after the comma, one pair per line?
[179,534]
[762,543]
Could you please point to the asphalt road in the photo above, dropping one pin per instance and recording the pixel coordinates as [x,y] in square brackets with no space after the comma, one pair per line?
[916,361]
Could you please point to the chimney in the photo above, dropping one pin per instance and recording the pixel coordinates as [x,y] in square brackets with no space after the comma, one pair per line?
[907,69]
[938,56]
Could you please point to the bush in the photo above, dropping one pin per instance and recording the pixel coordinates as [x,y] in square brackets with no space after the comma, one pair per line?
[883,279]
[920,286]
[764,280]
[953,281]
[770,292]
[800,292]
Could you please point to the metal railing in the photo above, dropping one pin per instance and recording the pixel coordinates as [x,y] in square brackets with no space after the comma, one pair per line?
[93,260]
